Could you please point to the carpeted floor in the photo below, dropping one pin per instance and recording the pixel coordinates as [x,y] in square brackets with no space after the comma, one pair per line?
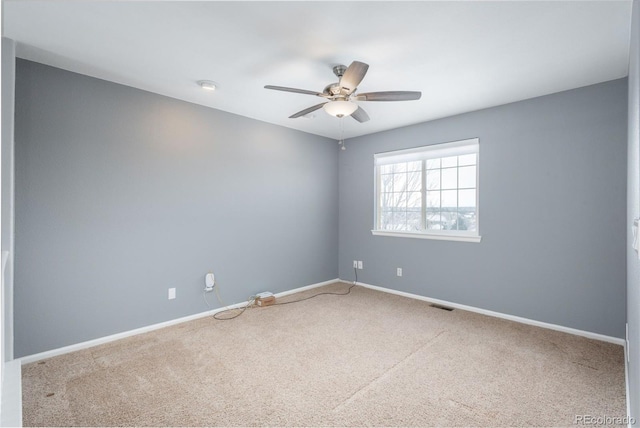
[365,359]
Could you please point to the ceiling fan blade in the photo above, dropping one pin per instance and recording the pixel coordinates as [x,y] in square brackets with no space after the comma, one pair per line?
[390,96]
[360,115]
[306,111]
[297,91]
[353,75]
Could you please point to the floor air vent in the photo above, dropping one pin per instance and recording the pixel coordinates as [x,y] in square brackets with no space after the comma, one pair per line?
[444,308]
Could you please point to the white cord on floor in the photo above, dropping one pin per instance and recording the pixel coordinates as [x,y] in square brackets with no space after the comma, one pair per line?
[250,302]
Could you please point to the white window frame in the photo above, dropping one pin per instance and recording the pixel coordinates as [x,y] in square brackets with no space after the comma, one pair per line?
[423,153]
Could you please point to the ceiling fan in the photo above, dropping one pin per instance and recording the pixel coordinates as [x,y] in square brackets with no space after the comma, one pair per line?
[341,95]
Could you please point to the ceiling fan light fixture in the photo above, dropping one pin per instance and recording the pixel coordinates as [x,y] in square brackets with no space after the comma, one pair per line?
[340,108]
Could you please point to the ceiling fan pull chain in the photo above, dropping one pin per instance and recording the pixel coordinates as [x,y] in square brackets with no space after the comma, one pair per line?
[341,142]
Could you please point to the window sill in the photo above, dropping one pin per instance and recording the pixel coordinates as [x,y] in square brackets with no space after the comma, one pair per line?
[460,238]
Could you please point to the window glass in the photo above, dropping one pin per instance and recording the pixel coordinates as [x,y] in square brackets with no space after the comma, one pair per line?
[433,188]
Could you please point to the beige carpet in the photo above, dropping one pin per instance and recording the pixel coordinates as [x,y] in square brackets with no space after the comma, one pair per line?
[365,359]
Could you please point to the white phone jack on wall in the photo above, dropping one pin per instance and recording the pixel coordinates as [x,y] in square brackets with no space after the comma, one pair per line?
[209,281]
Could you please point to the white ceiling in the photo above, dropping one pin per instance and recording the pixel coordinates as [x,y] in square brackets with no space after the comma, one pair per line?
[463,56]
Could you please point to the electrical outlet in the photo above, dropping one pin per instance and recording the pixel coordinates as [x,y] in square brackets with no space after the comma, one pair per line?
[172,293]
[359,264]
[355,264]
[399,271]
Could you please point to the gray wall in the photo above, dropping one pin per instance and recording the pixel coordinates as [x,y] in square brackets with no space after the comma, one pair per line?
[7,191]
[552,212]
[633,211]
[122,194]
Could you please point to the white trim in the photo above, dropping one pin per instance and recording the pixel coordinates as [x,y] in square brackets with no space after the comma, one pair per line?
[106,339]
[626,384]
[307,287]
[11,415]
[431,151]
[422,235]
[626,370]
[424,153]
[576,332]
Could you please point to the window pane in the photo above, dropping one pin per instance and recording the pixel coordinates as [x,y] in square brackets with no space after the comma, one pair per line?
[414,220]
[451,161]
[399,182]
[386,183]
[399,220]
[433,163]
[400,167]
[448,220]
[469,221]
[467,198]
[433,199]
[386,169]
[455,222]
[449,199]
[386,220]
[386,200]
[450,178]
[467,176]
[464,222]
[399,200]
[414,166]
[414,200]
[434,221]
[414,181]
[433,179]
[469,159]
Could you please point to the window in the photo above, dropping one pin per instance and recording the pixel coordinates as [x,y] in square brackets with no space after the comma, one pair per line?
[429,192]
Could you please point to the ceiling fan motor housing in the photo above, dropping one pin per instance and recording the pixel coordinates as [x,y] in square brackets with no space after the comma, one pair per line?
[334,89]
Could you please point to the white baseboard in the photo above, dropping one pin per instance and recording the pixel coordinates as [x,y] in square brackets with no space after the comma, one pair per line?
[106,339]
[111,338]
[305,288]
[11,415]
[587,334]
[626,384]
